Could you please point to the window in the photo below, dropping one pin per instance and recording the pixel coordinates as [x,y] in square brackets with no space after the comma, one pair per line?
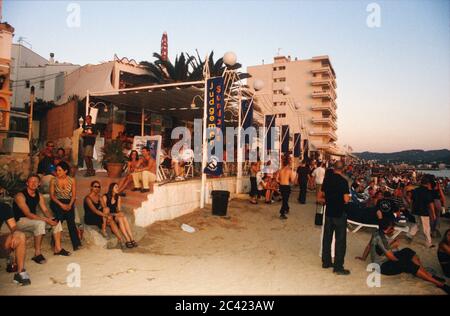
[279,79]
[27,84]
[42,84]
[279,68]
[277,91]
[281,115]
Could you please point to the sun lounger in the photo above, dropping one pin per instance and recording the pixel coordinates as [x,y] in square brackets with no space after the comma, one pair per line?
[398,229]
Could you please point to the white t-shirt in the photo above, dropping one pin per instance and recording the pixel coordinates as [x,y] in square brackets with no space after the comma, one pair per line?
[319,174]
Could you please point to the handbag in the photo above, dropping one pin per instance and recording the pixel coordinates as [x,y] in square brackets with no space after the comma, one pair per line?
[318,220]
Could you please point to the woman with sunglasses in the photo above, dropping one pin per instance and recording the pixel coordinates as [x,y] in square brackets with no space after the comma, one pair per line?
[113,202]
[96,213]
[62,195]
[133,163]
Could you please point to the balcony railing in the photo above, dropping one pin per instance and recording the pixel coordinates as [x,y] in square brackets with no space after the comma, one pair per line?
[325,121]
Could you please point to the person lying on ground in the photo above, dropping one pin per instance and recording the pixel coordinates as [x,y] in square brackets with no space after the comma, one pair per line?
[394,261]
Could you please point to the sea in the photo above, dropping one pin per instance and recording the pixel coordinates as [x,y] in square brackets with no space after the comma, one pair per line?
[438,173]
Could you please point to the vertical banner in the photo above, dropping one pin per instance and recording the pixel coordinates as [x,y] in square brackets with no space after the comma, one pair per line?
[156,123]
[297,145]
[306,150]
[214,124]
[269,123]
[247,113]
[285,139]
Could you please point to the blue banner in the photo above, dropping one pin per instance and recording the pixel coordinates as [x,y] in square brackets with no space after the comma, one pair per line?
[269,123]
[297,145]
[214,124]
[285,139]
[247,113]
[306,150]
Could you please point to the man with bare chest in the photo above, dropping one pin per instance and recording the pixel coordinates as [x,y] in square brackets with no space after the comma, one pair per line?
[285,178]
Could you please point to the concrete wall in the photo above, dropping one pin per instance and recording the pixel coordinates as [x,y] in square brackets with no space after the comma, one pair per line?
[161,205]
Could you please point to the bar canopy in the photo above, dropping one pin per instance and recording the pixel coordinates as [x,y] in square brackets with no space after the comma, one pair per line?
[168,99]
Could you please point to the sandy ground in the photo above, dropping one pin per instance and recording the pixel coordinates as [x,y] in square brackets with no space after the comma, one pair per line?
[249,252]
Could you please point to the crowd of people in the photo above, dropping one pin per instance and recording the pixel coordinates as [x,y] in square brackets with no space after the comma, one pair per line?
[360,192]
[386,198]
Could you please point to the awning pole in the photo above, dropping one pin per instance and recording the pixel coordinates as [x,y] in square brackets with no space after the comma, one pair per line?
[204,147]
[142,122]
[87,102]
[239,147]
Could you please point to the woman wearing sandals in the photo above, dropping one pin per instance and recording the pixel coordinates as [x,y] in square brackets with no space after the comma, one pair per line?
[133,163]
[113,202]
[62,195]
[96,213]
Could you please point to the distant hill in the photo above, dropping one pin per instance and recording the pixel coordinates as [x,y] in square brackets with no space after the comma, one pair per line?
[409,156]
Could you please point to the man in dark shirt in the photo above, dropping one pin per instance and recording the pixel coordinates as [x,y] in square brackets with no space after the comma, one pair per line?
[89,134]
[337,195]
[423,209]
[386,207]
[303,176]
[14,241]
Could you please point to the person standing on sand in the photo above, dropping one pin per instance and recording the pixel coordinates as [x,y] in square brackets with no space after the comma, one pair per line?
[336,194]
[303,178]
[285,177]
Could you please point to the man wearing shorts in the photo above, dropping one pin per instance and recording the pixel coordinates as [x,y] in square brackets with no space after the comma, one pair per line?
[25,213]
[14,241]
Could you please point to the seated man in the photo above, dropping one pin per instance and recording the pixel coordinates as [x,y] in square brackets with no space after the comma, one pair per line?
[184,156]
[14,241]
[145,173]
[46,157]
[25,213]
[393,261]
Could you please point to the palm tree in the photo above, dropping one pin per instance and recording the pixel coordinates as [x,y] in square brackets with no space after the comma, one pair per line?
[163,71]
[187,68]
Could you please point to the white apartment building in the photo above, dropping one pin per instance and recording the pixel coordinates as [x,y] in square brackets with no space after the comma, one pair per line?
[302,93]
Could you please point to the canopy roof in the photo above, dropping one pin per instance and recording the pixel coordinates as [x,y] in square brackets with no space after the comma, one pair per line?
[168,99]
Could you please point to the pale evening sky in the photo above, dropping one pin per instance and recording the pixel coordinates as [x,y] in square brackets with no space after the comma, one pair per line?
[393,80]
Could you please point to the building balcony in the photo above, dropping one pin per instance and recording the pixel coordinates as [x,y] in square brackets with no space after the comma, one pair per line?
[4,70]
[330,134]
[323,70]
[322,82]
[322,94]
[327,108]
[325,121]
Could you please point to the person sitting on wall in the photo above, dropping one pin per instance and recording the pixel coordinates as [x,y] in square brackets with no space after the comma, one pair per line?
[46,165]
[185,156]
[15,242]
[25,213]
[133,163]
[145,173]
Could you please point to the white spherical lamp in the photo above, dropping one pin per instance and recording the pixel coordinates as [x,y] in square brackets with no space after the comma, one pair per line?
[229,58]
[258,84]
[286,90]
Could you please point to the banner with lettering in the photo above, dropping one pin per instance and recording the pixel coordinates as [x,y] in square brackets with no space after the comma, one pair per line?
[214,124]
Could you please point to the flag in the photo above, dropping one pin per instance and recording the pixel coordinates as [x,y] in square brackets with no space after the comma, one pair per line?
[285,138]
[297,145]
[269,123]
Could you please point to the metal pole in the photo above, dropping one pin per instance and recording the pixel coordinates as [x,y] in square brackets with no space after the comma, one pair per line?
[30,118]
[204,146]
[239,147]
[87,102]
[142,122]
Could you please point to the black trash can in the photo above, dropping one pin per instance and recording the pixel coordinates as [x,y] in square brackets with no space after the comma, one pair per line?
[220,202]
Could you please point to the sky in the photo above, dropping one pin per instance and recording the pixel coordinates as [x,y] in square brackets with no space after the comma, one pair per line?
[392,62]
